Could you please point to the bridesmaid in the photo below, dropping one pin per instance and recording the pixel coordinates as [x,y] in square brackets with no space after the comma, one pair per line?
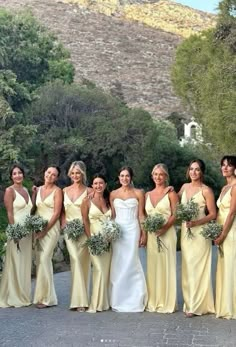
[225,273]
[96,209]
[161,266]
[49,204]
[196,252]
[15,288]
[79,255]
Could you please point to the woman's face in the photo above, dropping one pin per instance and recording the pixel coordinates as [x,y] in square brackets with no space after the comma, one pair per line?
[99,185]
[195,173]
[76,175]
[51,175]
[17,175]
[124,178]
[159,177]
[227,169]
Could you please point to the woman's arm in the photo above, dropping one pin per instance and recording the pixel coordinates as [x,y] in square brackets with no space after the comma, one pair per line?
[85,216]
[229,219]
[181,191]
[211,207]
[173,198]
[141,216]
[56,213]
[8,202]
[113,212]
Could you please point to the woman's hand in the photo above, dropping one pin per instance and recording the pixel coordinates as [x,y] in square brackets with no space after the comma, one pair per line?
[191,224]
[161,231]
[220,239]
[143,239]
[40,235]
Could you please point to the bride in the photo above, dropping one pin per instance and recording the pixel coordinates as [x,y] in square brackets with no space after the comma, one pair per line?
[128,292]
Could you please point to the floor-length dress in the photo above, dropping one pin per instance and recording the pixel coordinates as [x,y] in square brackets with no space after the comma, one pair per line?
[127,282]
[226,265]
[44,287]
[101,264]
[196,265]
[161,266]
[15,288]
[79,255]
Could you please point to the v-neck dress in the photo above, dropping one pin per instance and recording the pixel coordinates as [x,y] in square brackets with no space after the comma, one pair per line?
[226,265]
[15,288]
[196,265]
[161,266]
[44,287]
[79,255]
[101,264]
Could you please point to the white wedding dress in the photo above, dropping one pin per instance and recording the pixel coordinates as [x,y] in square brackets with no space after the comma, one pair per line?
[128,291]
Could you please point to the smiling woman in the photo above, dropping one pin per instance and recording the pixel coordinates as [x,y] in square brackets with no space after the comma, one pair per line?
[49,204]
[127,281]
[15,289]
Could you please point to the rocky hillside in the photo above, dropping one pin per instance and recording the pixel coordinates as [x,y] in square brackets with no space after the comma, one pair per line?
[119,54]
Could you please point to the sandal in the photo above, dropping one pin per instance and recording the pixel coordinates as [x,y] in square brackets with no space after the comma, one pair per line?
[41,306]
[80,309]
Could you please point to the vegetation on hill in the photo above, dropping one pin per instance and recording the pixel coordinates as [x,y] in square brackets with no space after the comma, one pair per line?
[204,76]
[163,14]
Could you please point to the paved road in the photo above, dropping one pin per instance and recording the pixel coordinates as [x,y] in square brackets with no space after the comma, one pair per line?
[57,326]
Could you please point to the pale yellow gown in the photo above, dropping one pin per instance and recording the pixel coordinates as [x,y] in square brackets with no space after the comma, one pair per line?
[79,255]
[196,265]
[101,264]
[44,287]
[161,266]
[226,265]
[15,288]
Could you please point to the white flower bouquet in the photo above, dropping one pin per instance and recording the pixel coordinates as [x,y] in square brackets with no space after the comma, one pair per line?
[152,224]
[97,245]
[74,229]
[35,224]
[16,232]
[186,213]
[111,231]
[211,231]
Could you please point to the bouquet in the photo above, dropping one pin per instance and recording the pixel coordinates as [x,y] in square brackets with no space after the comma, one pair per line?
[35,224]
[74,229]
[111,231]
[97,245]
[16,232]
[152,224]
[186,213]
[211,231]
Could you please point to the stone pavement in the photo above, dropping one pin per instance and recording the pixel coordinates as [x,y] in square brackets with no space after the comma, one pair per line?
[57,326]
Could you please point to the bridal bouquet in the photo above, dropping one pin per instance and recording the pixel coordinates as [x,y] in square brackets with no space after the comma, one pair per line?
[97,245]
[111,231]
[16,232]
[211,231]
[74,229]
[186,213]
[35,224]
[152,224]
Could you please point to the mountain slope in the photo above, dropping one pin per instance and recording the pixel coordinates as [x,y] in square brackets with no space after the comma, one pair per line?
[127,57]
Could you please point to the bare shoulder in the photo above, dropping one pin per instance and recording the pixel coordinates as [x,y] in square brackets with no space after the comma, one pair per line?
[9,191]
[206,189]
[139,192]
[114,193]
[233,190]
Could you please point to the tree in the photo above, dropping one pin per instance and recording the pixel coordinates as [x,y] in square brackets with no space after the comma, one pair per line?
[204,76]
[30,56]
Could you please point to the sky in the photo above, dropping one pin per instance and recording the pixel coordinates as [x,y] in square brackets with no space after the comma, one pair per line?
[204,5]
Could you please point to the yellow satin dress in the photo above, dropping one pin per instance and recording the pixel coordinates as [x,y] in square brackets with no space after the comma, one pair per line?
[196,265]
[15,288]
[161,266]
[79,255]
[226,271]
[44,287]
[101,264]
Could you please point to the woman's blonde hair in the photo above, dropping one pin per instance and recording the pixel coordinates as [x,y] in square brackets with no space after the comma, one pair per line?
[82,168]
[164,168]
